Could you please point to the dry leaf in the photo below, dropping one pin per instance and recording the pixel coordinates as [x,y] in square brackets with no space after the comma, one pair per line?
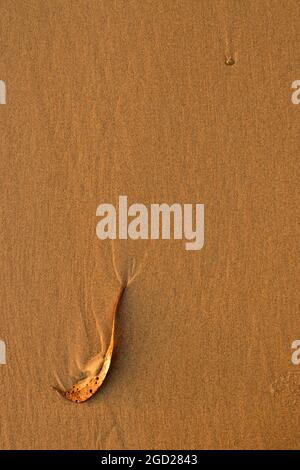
[86,388]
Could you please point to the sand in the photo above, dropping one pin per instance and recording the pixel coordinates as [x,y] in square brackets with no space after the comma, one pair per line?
[135,98]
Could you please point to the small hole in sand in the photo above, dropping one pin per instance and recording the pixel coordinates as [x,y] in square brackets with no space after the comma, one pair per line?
[229,61]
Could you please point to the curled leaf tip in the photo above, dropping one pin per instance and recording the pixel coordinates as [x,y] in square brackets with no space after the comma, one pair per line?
[87,388]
